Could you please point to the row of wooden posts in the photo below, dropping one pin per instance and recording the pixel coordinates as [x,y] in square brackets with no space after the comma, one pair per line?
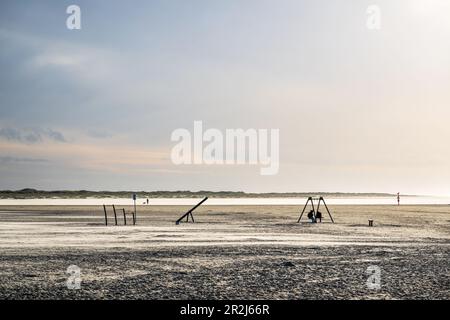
[133,214]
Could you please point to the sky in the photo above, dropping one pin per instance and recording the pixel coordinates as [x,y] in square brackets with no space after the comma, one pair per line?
[357,109]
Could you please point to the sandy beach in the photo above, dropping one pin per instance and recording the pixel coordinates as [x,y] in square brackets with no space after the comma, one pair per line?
[230,252]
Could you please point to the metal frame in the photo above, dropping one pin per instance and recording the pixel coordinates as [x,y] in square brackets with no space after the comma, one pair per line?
[314,209]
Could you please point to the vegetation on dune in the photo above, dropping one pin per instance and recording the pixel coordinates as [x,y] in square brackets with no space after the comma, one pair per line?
[29,193]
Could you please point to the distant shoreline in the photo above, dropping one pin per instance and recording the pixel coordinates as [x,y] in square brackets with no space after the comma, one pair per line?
[83,194]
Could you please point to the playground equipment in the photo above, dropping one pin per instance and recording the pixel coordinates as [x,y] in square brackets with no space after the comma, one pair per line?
[115,215]
[315,214]
[189,213]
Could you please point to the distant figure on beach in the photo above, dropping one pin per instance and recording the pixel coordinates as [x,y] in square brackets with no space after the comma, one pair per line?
[319,216]
[398,198]
[147,200]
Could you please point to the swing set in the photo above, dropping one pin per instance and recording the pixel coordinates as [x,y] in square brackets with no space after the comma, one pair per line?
[315,214]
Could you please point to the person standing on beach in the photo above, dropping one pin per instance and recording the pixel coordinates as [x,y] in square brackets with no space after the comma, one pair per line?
[398,198]
[147,200]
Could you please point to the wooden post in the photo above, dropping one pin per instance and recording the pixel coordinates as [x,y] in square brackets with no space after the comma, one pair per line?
[134,200]
[115,215]
[124,217]
[106,216]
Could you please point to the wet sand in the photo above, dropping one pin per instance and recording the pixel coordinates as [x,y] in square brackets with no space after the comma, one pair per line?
[232,252]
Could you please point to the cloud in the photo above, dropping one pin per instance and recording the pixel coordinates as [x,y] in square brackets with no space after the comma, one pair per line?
[8,159]
[55,135]
[59,60]
[31,135]
[99,134]
[92,156]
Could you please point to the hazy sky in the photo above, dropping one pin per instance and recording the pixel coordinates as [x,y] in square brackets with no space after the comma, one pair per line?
[358,110]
